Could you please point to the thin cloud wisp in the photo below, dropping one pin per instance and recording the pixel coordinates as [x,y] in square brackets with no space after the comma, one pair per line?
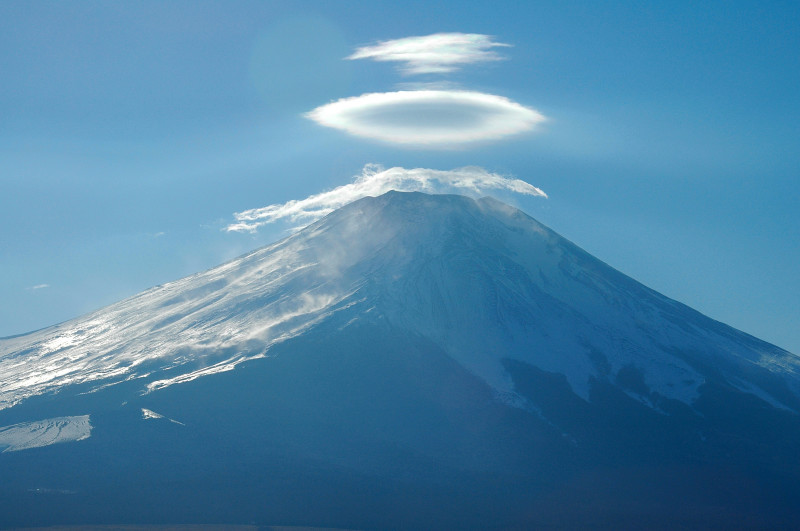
[440,53]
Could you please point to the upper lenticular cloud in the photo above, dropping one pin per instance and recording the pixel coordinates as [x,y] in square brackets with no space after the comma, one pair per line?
[374,181]
[428,118]
[440,53]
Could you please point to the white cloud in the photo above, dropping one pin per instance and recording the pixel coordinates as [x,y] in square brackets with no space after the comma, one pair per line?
[374,181]
[431,118]
[433,54]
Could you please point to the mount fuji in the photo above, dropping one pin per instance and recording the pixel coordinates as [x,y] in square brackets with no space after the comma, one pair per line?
[408,361]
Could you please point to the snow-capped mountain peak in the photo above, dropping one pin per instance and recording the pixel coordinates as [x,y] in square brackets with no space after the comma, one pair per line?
[482,280]
[409,361]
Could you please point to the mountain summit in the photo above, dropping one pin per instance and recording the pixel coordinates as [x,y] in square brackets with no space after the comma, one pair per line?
[407,361]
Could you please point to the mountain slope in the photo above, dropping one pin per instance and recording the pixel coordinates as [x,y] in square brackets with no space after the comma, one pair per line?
[417,360]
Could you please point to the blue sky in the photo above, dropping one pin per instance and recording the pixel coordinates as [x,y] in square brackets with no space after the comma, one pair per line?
[132,132]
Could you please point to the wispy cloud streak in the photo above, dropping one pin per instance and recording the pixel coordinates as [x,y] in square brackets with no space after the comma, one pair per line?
[39,286]
[375,180]
[439,53]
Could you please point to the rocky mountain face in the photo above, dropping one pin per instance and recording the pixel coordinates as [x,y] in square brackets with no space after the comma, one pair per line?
[409,361]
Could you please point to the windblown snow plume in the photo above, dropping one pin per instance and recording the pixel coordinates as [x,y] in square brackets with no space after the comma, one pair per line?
[375,180]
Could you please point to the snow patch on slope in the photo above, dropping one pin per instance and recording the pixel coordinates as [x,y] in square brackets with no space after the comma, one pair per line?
[755,390]
[148,414]
[224,366]
[45,432]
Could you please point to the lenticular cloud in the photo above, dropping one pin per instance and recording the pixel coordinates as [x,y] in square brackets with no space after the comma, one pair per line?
[374,181]
[433,118]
